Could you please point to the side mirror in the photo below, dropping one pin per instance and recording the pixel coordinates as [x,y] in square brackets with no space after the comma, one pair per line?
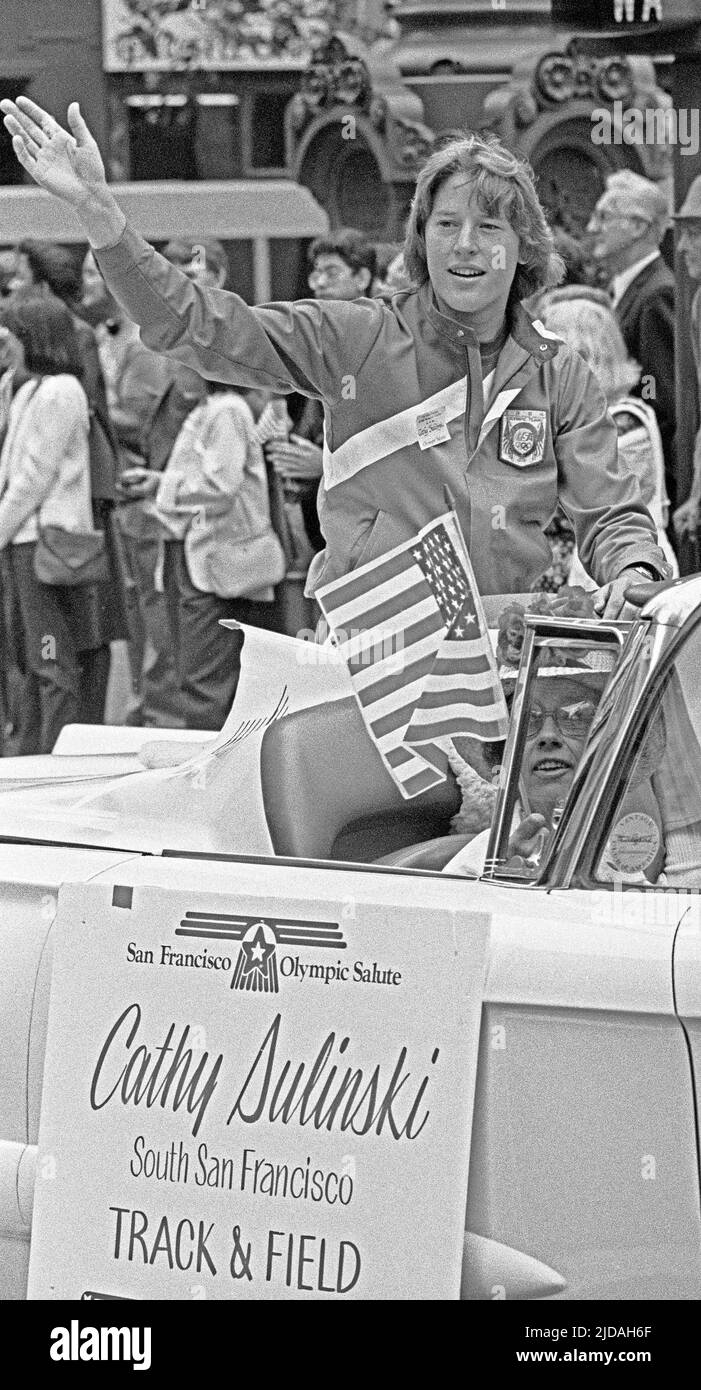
[640,594]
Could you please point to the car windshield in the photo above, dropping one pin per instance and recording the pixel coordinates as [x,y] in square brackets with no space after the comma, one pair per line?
[553,712]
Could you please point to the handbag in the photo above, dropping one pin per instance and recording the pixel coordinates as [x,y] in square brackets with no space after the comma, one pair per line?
[259,560]
[70,558]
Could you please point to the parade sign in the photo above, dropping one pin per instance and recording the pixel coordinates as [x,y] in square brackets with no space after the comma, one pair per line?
[259,1092]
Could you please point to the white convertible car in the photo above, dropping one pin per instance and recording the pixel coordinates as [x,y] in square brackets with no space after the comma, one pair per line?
[584,1170]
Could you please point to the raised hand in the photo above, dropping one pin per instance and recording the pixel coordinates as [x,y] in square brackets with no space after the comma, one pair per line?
[527,841]
[68,165]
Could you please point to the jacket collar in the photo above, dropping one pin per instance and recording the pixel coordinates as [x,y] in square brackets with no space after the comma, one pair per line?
[529,334]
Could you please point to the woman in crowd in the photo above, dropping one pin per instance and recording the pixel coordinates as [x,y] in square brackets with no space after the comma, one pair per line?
[45,482]
[224,558]
[49,268]
[582,317]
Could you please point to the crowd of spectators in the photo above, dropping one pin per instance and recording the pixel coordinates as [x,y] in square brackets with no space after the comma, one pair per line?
[201,498]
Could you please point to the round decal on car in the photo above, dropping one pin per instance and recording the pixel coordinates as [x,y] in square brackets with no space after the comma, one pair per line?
[633,842]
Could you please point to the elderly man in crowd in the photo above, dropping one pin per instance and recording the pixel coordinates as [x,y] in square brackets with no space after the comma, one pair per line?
[449,387]
[627,227]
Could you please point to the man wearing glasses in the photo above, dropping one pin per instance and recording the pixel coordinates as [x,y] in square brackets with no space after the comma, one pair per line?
[342,265]
[627,227]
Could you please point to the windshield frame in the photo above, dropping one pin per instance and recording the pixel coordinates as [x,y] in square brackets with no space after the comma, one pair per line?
[547,633]
[642,698]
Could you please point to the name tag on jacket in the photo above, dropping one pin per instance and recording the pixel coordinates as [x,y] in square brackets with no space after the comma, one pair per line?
[431,427]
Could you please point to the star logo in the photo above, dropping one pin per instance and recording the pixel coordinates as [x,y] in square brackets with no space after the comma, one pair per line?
[256,968]
[257,953]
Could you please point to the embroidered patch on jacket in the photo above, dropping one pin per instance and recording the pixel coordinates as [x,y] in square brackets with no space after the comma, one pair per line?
[522,437]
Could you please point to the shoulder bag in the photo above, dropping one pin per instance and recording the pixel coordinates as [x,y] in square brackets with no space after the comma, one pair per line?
[69,558]
[242,567]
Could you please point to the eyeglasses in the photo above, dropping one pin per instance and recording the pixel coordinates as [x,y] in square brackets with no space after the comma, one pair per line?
[602,219]
[332,275]
[574,720]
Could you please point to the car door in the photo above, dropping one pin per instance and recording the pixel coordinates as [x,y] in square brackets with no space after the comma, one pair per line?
[584,1177]
[684,701]
[584,1170]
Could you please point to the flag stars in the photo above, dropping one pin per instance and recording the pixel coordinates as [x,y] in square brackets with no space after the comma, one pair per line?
[443,572]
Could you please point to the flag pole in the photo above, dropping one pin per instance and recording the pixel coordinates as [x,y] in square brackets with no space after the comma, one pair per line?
[449,499]
[450,504]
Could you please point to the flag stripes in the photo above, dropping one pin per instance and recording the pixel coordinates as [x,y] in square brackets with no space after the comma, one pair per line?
[388,599]
[391,566]
[387,685]
[411,629]
[366,647]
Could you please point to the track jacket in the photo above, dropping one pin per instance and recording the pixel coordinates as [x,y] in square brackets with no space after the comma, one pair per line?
[408,419]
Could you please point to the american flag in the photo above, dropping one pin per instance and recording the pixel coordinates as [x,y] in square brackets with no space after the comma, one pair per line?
[411,628]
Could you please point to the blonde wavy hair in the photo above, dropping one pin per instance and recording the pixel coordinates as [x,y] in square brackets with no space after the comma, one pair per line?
[590,327]
[505,186]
